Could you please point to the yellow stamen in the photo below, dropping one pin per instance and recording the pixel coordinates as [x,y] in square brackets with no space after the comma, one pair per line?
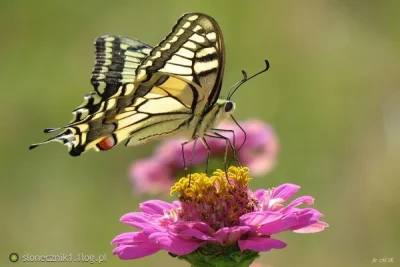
[215,200]
[201,184]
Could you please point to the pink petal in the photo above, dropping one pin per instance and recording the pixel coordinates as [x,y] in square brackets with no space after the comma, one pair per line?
[285,191]
[135,251]
[306,217]
[260,244]
[261,147]
[260,195]
[259,218]
[218,145]
[174,244]
[199,153]
[179,226]
[130,238]
[139,220]
[151,176]
[193,233]
[149,230]
[313,228]
[170,153]
[201,226]
[197,230]
[278,226]
[297,202]
[258,133]
[260,164]
[229,235]
[155,207]
[136,219]
[143,220]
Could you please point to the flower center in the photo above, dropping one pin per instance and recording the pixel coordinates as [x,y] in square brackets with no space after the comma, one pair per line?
[214,200]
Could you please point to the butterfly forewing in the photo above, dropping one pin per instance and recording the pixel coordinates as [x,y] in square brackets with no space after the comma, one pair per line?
[194,51]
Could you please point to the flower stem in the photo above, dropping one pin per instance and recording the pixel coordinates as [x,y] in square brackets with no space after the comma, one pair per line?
[218,256]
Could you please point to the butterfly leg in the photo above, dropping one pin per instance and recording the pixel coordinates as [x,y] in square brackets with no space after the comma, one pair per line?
[185,167]
[234,150]
[205,144]
[228,144]
[192,156]
[183,156]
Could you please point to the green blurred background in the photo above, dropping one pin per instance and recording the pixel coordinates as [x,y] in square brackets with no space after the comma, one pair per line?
[332,94]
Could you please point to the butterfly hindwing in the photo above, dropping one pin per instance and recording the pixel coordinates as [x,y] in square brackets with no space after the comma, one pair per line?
[117,58]
[116,61]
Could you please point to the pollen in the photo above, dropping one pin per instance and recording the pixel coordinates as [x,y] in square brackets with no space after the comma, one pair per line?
[217,200]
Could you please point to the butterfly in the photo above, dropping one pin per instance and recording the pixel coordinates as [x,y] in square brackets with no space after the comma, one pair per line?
[144,93]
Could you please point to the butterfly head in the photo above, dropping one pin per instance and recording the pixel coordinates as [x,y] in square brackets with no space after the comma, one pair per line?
[223,108]
[229,107]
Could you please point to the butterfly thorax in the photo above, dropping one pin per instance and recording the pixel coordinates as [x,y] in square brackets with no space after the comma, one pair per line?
[211,118]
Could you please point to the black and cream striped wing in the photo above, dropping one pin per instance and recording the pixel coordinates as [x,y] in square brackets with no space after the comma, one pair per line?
[140,97]
[117,59]
[113,74]
[193,51]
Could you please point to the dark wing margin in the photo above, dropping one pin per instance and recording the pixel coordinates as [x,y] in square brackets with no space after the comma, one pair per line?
[117,58]
[194,51]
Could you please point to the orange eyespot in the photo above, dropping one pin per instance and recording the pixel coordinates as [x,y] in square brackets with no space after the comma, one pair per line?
[107,143]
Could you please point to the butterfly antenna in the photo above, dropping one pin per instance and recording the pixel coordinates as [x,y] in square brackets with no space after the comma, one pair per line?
[246,79]
[237,85]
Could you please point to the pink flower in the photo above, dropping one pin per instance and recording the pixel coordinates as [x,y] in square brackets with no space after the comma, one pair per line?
[151,177]
[213,213]
[261,147]
[258,153]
